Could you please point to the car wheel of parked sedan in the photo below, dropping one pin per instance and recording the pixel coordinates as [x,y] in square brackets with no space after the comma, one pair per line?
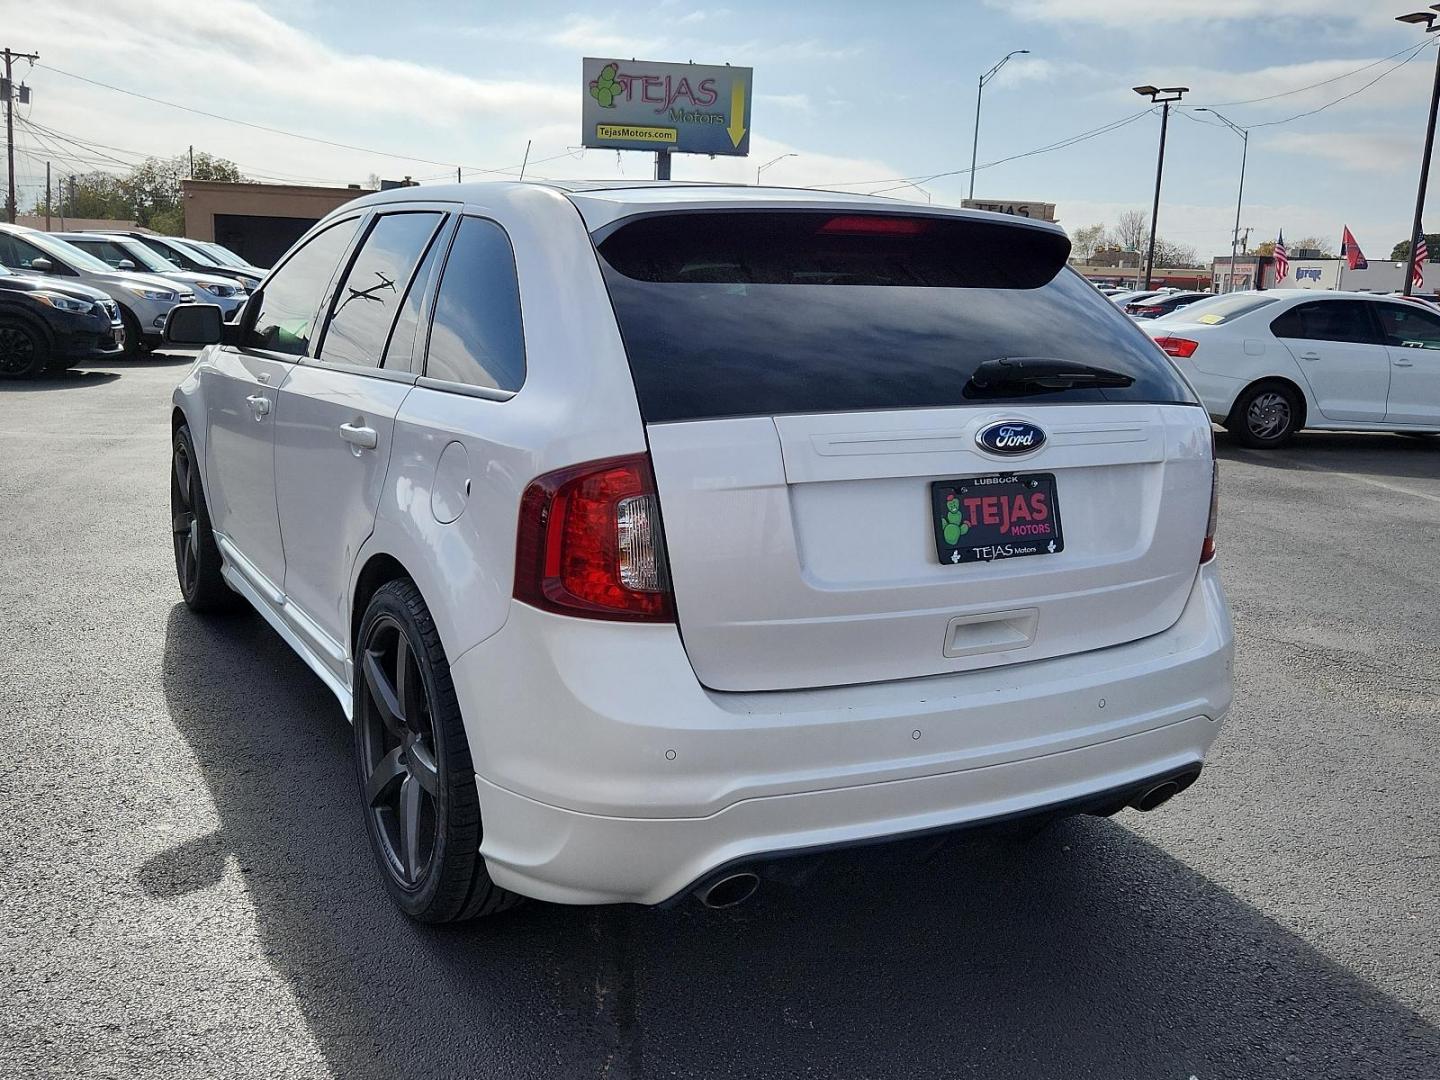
[197,559]
[1265,416]
[417,781]
[134,344]
[23,352]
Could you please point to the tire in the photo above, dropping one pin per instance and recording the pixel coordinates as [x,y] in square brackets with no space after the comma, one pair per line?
[24,352]
[197,559]
[134,344]
[1265,416]
[417,781]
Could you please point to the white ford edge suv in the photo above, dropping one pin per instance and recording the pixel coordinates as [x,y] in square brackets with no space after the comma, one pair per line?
[650,533]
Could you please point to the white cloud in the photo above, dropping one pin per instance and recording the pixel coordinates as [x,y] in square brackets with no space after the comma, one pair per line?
[1028,69]
[1368,152]
[1139,14]
[798,102]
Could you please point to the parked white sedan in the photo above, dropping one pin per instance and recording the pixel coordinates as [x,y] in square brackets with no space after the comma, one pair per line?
[1268,364]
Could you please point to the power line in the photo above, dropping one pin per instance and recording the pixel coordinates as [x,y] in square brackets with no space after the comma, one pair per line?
[1346,97]
[907,181]
[1323,82]
[267,128]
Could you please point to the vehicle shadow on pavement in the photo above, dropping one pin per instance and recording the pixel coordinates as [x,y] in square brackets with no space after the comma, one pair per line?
[993,958]
[1365,454]
[65,380]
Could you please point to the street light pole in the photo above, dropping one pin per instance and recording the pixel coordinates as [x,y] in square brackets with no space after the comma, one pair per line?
[767,164]
[979,92]
[1244,134]
[1162,96]
[1428,18]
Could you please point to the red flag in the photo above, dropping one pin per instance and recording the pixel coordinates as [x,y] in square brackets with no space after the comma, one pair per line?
[1282,259]
[1351,253]
[1417,266]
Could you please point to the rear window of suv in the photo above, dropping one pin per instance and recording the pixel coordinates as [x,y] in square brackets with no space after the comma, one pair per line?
[748,313]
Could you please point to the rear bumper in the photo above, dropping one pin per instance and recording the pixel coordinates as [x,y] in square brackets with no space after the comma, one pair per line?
[607,774]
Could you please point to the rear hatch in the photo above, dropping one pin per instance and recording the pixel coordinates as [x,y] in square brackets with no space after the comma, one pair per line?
[891,445]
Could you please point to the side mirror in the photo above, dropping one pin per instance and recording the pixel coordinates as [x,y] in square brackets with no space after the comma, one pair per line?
[42,265]
[125,264]
[194,324]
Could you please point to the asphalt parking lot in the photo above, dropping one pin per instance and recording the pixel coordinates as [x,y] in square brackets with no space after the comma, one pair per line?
[187,888]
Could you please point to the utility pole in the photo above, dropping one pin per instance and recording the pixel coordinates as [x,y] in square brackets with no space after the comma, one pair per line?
[9,89]
[72,196]
[1428,18]
[47,196]
[1244,134]
[1163,96]
[192,162]
[979,93]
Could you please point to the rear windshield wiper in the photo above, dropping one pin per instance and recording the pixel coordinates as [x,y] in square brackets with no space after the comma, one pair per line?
[1007,376]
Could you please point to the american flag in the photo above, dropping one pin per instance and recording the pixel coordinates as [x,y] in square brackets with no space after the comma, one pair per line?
[1422,256]
[1282,261]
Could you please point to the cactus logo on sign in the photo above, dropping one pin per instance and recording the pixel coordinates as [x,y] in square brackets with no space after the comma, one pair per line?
[687,108]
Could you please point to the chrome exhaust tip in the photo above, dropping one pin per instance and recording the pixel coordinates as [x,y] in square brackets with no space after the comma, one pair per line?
[728,891]
[1156,796]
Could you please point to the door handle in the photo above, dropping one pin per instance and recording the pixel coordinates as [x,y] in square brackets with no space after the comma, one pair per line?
[259,405]
[359,436]
[1403,363]
[1309,356]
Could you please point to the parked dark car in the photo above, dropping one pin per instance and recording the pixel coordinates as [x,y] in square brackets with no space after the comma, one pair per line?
[1163,304]
[48,326]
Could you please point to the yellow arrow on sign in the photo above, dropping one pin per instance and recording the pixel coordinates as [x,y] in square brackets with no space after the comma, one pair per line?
[736,127]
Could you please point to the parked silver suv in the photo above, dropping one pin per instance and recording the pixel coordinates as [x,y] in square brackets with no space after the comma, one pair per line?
[144,299]
[126,253]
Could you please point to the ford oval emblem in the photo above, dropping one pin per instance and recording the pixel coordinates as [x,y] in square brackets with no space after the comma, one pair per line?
[1011,437]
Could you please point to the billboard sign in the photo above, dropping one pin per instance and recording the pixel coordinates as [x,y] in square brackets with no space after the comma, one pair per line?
[1040,211]
[687,108]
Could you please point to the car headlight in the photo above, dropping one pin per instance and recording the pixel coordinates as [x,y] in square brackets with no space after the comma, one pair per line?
[217,288]
[61,302]
[149,293]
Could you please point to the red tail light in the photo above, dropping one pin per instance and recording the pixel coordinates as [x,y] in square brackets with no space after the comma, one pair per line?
[1178,346]
[589,543]
[875,225]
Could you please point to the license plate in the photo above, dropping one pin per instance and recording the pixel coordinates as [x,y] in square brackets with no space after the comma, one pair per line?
[989,518]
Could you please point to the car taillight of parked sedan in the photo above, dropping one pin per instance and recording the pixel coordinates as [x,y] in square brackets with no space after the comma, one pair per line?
[1177,346]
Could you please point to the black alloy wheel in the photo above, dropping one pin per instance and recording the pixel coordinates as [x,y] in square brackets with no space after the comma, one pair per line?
[185,526]
[417,780]
[197,559]
[22,351]
[397,741]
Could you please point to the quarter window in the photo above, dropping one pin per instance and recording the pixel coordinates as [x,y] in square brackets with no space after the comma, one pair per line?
[1409,326]
[1327,320]
[288,305]
[476,336]
[370,296]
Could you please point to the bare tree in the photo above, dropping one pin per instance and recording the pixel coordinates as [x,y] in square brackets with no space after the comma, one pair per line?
[1086,241]
[1131,230]
[1313,243]
[1168,253]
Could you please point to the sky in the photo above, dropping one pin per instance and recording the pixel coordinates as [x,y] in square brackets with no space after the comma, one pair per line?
[866,96]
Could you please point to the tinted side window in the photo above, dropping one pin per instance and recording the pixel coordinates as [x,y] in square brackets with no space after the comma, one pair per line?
[369,297]
[17,254]
[476,336]
[1410,326]
[400,350]
[1327,320]
[285,320]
